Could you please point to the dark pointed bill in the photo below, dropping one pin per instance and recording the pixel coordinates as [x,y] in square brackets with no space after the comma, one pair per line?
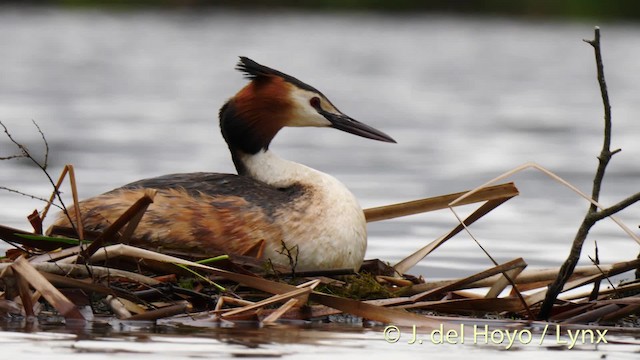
[345,123]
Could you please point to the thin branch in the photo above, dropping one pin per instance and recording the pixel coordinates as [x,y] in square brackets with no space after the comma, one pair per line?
[613,209]
[11,157]
[46,145]
[593,215]
[605,154]
[29,195]
[42,166]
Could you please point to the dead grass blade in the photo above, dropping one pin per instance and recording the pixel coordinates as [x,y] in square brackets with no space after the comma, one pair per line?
[295,297]
[611,270]
[118,307]
[540,295]
[95,271]
[537,277]
[626,307]
[462,306]
[55,255]
[68,169]
[65,307]
[271,300]
[378,313]
[634,287]
[410,261]
[224,300]
[604,311]
[167,311]
[513,264]
[274,316]
[503,281]
[132,216]
[501,191]
[25,294]
[556,178]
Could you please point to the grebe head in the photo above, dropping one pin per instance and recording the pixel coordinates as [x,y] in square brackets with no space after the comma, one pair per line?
[273,100]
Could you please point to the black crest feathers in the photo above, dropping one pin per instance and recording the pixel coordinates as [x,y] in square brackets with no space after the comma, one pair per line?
[252,70]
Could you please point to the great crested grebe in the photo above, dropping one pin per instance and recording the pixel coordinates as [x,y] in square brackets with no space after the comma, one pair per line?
[272,202]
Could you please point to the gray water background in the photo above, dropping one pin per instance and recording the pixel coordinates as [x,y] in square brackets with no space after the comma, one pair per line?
[124,96]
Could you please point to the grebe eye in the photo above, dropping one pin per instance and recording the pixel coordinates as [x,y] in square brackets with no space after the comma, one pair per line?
[315,102]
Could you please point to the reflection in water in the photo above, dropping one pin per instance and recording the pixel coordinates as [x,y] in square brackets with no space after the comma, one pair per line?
[184,341]
[311,341]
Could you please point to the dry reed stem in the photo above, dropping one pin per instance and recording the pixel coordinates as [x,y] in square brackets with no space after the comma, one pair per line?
[117,307]
[25,294]
[439,202]
[227,300]
[619,268]
[379,313]
[271,300]
[67,170]
[517,263]
[274,316]
[180,307]
[503,281]
[511,304]
[554,177]
[55,255]
[300,296]
[622,312]
[410,261]
[382,279]
[131,216]
[64,306]
[603,292]
[63,269]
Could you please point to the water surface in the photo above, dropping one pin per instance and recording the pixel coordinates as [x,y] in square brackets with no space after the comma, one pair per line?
[124,96]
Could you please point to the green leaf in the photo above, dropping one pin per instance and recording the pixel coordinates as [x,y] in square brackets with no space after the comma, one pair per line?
[213,259]
[63,240]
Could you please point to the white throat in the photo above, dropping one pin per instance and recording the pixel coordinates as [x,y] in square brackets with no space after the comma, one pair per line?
[269,168]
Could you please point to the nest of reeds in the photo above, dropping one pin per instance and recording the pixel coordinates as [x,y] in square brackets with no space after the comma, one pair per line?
[113,279]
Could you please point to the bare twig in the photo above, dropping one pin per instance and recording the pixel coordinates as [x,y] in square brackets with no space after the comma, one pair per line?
[593,215]
[28,195]
[596,284]
[11,157]
[23,149]
[292,254]
[46,145]
[24,153]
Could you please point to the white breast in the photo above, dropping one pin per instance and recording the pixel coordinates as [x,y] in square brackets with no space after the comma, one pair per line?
[326,229]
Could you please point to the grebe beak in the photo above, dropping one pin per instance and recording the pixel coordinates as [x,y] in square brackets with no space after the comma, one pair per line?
[345,123]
